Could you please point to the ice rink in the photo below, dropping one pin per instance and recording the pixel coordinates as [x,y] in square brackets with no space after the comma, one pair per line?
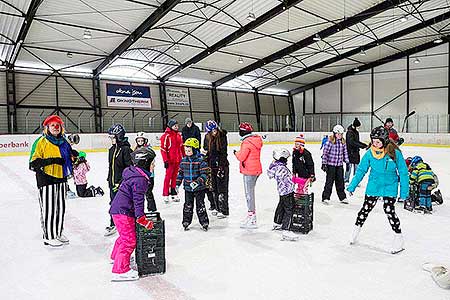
[226,262]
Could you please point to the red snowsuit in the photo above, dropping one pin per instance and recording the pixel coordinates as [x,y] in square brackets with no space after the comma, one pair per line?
[172,151]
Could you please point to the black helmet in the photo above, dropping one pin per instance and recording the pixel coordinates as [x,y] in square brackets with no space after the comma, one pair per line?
[380,133]
[118,131]
[143,157]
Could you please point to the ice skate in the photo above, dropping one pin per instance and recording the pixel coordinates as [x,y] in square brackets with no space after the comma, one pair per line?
[276,226]
[133,264]
[344,201]
[131,275]
[166,199]
[53,243]
[71,195]
[420,209]
[251,224]
[221,216]
[288,235]
[205,227]
[110,230]
[63,239]
[397,244]
[186,226]
[214,212]
[355,234]
[326,201]
[99,192]
[175,198]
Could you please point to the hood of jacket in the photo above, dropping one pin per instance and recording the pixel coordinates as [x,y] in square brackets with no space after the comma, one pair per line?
[253,139]
[133,172]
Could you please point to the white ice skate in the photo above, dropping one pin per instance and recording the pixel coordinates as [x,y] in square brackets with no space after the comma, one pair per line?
[397,244]
[110,230]
[326,201]
[63,239]
[344,201]
[288,235]
[53,243]
[214,212]
[221,216]
[276,226]
[71,195]
[128,276]
[166,199]
[175,198]
[355,234]
[249,222]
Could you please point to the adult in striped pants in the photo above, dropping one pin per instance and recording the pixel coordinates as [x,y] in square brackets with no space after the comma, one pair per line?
[50,159]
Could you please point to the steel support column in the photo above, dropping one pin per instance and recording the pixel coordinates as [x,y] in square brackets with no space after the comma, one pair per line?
[291,112]
[372,96]
[215,102]
[258,110]
[11,101]
[164,111]
[407,90]
[97,105]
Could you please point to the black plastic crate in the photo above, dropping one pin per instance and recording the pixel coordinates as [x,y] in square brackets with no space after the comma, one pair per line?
[412,201]
[150,247]
[303,213]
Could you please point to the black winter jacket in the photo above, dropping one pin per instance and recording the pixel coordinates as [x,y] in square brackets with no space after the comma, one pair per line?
[119,158]
[191,132]
[302,163]
[217,156]
[353,145]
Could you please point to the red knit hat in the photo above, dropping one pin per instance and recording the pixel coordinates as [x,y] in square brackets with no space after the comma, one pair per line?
[53,118]
[300,139]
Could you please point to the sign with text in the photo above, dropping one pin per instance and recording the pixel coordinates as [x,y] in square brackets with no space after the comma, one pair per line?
[177,96]
[119,95]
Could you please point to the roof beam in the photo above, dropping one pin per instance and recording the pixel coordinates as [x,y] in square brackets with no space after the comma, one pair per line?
[157,15]
[235,35]
[347,22]
[358,50]
[373,64]
[32,10]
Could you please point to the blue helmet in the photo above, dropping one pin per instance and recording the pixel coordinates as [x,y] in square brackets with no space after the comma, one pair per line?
[415,161]
[118,131]
[210,125]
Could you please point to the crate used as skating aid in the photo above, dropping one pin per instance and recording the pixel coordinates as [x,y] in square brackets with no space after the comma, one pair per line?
[303,213]
[412,201]
[150,247]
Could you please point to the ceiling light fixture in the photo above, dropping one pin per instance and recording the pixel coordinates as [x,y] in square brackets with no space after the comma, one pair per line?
[363,53]
[417,60]
[240,60]
[176,49]
[404,19]
[69,55]
[317,38]
[289,70]
[356,69]
[87,34]
[438,40]
[251,16]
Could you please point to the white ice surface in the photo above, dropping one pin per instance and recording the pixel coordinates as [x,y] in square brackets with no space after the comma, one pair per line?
[225,262]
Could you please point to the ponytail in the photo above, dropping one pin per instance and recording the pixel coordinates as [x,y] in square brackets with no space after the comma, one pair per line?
[390,150]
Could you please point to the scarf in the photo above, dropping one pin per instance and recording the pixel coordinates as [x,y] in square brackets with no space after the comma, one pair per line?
[378,153]
[64,150]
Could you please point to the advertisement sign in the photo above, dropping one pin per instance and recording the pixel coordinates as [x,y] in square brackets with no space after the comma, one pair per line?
[177,96]
[119,95]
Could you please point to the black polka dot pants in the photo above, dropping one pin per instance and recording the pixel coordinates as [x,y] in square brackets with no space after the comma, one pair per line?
[389,210]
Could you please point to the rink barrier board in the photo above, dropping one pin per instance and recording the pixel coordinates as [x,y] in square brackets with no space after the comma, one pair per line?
[20,145]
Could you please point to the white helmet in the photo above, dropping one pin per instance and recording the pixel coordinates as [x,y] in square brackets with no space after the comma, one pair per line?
[338,129]
[141,134]
[279,153]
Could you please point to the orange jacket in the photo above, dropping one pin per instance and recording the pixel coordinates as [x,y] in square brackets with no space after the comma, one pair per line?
[250,155]
[172,149]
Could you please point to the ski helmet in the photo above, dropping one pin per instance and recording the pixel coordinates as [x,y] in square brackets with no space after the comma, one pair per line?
[245,126]
[381,134]
[141,134]
[73,138]
[143,157]
[415,161]
[338,129]
[210,125]
[192,142]
[280,153]
[118,131]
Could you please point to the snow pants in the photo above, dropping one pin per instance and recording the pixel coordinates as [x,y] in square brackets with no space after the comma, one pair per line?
[188,210]
[220,179]
[389,210]
[283,213]
[151,204]
[52,201]
[425,193]
[335,175]
[84,191]
[170,180]
[125,243]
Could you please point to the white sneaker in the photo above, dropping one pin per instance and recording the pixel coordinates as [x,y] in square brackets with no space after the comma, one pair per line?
[276,226]
[110,230]
[251,224]
[214,212]
[175,198]
[63,239]
[288,235]
[128,276]
[397,244]
[221,215]
[53,243]
[355,234]
[166,199]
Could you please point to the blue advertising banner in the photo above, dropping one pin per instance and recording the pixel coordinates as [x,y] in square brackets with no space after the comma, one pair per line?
[119,95]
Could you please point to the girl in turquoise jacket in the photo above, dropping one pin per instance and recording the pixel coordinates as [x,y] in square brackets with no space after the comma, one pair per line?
[387,170]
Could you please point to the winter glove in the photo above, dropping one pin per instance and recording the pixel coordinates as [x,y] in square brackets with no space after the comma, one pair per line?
[234,151]
[115,188]
[312,178]
[193,185]
[166,164]
[324,167]
[143,221]
[221,173]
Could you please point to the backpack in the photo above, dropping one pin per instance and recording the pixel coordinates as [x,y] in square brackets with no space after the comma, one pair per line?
[440,274]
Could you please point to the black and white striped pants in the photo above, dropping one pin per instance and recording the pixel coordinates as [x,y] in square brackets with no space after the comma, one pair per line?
[52,200]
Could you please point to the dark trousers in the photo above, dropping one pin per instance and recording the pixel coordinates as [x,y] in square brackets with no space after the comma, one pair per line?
[84,191]
[212,201]
[188,209]
[389,210]
[283,213]
[220,179]
[151,204]
[334,175]
[111,198]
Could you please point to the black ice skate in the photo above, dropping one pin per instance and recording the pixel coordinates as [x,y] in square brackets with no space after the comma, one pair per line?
[205,227]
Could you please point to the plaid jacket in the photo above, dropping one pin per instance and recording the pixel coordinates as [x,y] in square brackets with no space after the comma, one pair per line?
[334,154]
[193,168]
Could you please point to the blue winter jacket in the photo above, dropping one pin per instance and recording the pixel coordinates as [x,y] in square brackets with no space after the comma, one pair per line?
[385,174]
[192,168]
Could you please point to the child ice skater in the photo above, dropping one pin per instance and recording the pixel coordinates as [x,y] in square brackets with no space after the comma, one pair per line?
[192,173]
[387,170]
[127,209]
[283,214]
[422,175]
[302,165]
[80,168]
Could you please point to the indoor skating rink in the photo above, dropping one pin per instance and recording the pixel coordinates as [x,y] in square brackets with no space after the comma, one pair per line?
[226,262]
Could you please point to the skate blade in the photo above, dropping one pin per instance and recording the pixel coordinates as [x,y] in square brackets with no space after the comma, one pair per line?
[398,251]
[289,239]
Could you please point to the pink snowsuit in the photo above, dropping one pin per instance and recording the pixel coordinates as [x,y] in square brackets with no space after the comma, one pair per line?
[79,173]
[125,243]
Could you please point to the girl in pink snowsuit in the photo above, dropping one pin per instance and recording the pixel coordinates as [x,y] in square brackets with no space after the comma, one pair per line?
[80,168]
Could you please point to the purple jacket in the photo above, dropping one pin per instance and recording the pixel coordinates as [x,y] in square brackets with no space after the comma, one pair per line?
[334,154]
[283,176]
[129,199]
